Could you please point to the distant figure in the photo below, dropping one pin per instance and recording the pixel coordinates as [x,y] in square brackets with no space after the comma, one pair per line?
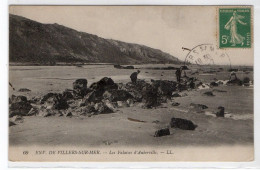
[134,76]
[233,76]
[178,74]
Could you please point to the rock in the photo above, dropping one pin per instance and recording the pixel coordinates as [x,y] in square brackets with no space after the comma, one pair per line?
[19,108]
[235,82]
[182,86]
[11,123]
[16,99]
[105,84]
[175,104]
[182,124]
[165,87]
[122,104]
[67,94]
[24,90]
[213,84]
[86,110]
[54,101]
[102,108]
[111,105]
[203,86]
[117,95]
[95,96]
[80,88]
[220,112]
[246,80]
[33,112]
[130,102]
[176,95]
[150,96]
[49,112]
[198,106]
[68,114]
[208,93]
[17,118]
[80,83]
[35,100]
[162,132]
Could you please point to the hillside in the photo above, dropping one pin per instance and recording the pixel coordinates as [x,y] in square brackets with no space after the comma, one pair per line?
[34,42]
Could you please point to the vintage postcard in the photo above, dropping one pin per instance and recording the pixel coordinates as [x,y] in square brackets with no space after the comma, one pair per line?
[131,83]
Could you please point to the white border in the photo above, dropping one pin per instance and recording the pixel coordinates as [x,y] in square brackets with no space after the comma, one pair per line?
[4,85]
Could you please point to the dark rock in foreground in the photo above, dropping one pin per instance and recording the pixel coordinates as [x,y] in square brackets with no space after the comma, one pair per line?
[198,106]
[182,124]
[175,104]
[54,101]
[150,96]
[162,132]
[237,82]
[19,106]
[213,84]
[165,87]
[220,112]
[11,123]
[80,87]
[117,95]
[208,93]
[105,84]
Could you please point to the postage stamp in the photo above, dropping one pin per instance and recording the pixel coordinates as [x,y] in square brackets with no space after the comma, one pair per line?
[235,28]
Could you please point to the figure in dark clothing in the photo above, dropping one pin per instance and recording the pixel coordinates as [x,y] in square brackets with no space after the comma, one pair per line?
[178,74]
[134,76]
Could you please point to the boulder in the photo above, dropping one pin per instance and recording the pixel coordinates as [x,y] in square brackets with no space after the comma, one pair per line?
[11,123]
[182,124]
[105,84]
[95,96]
[17,118]
[117,95]
[54,101]
[213,84]
[135,89]
[220,112]
[122,104]
[80,84]
[150,96]
[19,108]
[165,87]
[246,80]
[235,82]
[198,106]
[175,104]
[80,88]
[208,93]
[33,112]
[162,132]
[16,99]
[49,112]
[67,94]
[130,102]
[102,108]
[176,95]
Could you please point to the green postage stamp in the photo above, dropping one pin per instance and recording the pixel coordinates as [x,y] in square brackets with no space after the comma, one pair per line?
[235,27]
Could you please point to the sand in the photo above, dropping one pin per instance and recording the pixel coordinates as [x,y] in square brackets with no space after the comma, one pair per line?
[116,129]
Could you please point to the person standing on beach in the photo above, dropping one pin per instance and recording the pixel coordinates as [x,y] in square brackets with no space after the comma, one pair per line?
[134,75]
[178,74]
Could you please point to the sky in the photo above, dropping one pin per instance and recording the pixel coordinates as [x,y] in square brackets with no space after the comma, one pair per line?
[168,28]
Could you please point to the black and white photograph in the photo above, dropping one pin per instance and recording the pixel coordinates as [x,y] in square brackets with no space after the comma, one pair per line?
[131,83]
